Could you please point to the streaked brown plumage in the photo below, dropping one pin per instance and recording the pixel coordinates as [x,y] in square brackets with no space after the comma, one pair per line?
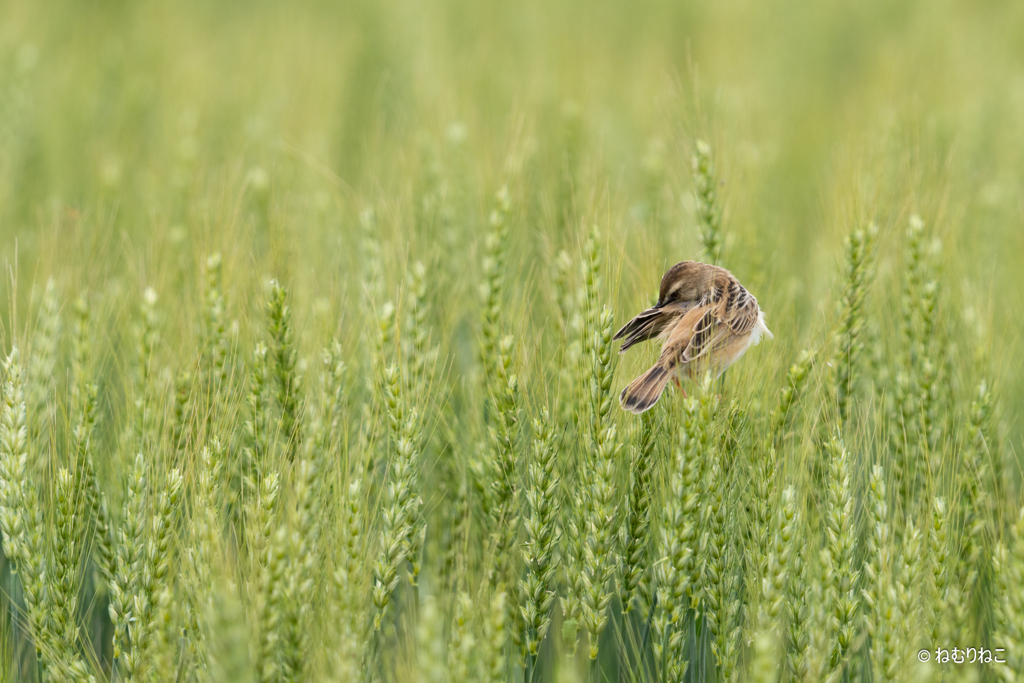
[706,320]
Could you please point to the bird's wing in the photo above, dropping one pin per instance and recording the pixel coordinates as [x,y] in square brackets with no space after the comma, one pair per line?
[708,333]
[651,323]
[740,311]
[692,336]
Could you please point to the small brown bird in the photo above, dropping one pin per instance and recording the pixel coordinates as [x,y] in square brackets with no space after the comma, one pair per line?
[706,320]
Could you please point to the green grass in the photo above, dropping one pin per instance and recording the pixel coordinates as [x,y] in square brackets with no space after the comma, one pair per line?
[309,372]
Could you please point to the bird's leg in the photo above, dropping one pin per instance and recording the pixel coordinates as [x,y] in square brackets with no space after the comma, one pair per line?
[679,385]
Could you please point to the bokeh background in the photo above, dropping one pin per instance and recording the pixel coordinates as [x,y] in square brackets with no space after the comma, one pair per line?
[144,133]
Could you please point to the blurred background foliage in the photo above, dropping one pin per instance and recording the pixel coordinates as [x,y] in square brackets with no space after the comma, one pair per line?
[136,137]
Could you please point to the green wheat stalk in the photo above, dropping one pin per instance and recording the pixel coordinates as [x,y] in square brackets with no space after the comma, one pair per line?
[709,216]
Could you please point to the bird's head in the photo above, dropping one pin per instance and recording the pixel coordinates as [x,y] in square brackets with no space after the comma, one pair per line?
[686,281]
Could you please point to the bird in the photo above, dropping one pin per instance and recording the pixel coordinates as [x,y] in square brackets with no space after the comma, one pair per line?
[705,319]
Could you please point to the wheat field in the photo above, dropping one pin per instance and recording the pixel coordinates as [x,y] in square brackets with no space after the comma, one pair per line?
[308,370]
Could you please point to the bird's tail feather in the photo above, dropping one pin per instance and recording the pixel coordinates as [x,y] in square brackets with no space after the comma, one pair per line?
[645,390]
